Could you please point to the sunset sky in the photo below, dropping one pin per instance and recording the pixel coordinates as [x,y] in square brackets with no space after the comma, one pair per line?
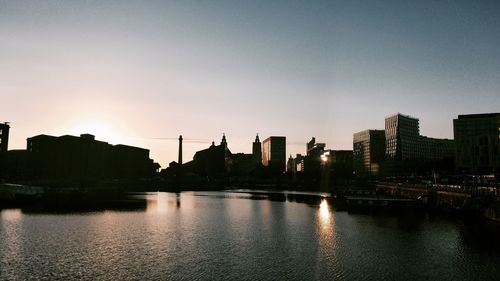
[143,72]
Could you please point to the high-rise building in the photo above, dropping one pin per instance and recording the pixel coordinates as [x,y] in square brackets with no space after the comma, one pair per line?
[477,138]
[402,135]
[274,153]
[312,160]
[368,152]
[4,137]
[257,151]
[315,148]
[408,152]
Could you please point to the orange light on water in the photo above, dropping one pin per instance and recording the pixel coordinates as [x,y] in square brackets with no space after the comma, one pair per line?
[324,210]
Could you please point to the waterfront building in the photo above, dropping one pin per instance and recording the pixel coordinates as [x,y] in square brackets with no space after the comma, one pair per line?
[242,164]
[312,160]
[84,158]
[402,135]
[295,164]
[291,167]
[274,153]
[408,152]
[4,137]
[314,148]
[215,161]
[368,152]
[339,162]
[477,138]
[257,151]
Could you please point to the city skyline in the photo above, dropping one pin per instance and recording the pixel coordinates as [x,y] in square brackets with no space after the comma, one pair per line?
[144,73]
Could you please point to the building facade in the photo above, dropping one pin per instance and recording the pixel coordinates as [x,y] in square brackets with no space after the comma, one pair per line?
[274,153]
[477,138]
[4,137]
[368,152]
[213,162]
[402,135]
[257,151]
[84,158]
[407,152]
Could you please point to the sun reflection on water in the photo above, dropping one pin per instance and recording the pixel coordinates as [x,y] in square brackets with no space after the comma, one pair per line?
[324,211]
[326,226]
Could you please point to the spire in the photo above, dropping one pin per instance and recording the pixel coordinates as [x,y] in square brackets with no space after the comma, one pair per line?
[257,138]
[223,141]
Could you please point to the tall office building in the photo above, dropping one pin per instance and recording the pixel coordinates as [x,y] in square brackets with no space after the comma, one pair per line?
[477,138]
[409,152]
[4,137]
[312,161]
[368,152]
[402,136]
[274,153]
[257,151]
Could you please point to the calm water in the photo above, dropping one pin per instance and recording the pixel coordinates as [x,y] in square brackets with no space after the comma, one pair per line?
[228,236]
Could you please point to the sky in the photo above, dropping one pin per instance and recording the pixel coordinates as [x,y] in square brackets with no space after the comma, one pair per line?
[144,72]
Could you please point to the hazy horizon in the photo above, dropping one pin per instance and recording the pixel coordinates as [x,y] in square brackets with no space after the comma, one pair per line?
[143,73]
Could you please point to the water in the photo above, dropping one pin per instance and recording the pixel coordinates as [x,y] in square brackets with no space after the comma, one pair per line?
[227,236]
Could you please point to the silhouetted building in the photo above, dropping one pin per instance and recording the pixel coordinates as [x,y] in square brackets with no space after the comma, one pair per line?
[242,164]
[312,160]
[180,150]
[130,162]
[336,169]
[295,164]
[84,158]
[213,162]
[477,138]
[437,149]
[314,148]
[257,151]
[291,167]
[4,137]
[408,152]
[223,141]
[274,153]
[15,165]
[368,152]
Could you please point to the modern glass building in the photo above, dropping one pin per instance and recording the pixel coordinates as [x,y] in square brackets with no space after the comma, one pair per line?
[477,138]
[368,152]
[274,153]
[402,135]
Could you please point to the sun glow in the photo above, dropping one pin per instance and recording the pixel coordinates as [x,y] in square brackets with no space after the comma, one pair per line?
[103,129]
